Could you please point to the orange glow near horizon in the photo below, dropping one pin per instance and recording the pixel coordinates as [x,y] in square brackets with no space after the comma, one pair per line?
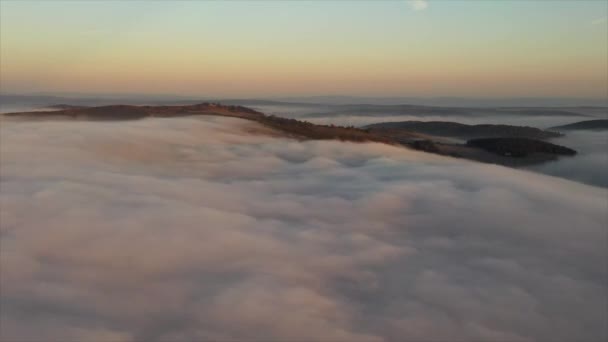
[388,60]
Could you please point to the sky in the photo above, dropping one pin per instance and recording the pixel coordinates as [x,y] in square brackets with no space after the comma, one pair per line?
[277,48]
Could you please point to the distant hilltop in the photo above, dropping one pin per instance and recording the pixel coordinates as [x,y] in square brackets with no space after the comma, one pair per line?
[594,125]
[291,127]
[459,130]
[132,112]
[519,147]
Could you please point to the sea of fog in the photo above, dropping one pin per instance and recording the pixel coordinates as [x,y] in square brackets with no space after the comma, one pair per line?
[199,229]
[589,166]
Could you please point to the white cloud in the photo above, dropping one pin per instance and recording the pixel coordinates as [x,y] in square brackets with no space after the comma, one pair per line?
[190,229]
[419,5]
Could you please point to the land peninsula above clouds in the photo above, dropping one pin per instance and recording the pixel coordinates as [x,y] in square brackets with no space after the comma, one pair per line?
[499,144]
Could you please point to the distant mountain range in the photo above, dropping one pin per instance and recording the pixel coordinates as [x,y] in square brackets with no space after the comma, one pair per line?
[452,101]
[93,99]
[414,110]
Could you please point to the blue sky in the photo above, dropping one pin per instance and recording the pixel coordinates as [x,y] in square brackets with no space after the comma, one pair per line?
[420,48]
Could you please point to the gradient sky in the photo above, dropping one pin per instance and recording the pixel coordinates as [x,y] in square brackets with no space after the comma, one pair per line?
[378,48]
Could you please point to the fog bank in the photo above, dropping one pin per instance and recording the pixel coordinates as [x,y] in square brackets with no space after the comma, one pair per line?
[206,229]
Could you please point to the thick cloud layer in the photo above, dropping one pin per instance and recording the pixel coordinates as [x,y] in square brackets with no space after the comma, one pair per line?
[589,166]
[207,229]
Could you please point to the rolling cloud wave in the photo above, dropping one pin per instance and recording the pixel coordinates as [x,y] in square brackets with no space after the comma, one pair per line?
[204,229]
